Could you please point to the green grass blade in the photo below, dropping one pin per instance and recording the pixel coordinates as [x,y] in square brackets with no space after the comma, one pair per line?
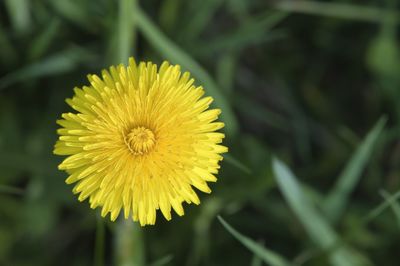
[337,10]
[126,30]
[19,13]
[61,62]
[256,261]
[238,164]
[226,72]
[338,197]
[314,223]
[11,190]
[163,261]
[201,18]
[393,204]
[261,113]
[268,256]
[8,52]
[381,207]
[175,54]
[255,31]
[41,43]
[76,12]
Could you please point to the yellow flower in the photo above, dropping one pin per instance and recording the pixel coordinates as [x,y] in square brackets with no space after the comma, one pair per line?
[140,139]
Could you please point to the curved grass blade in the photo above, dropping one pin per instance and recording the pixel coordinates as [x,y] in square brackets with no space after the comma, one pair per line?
[314,223]
[163,261]
[19,14]
[11,190]
[42,42]
[255,31]
[205,10]
[268,256]
[171,51]
[126,31]
[238,164]
[381,207]
[256,261]
[393,204]
[76,12]
[338,10]
[338,197]
[61,62]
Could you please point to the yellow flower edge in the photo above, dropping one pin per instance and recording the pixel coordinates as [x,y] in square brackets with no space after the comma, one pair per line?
[140,139]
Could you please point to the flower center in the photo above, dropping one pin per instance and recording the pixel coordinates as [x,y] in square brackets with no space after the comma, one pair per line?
[140,140]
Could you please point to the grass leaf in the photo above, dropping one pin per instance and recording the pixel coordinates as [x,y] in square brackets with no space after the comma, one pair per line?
[338,197]
[314,223]
[393,204]
[18,12]
[42,42]
[75,12]
[59,63]
[337,10]
[255,31]
[381,207]
[11,190]
[126,31]
[238,164]
[268,256]
[163,261]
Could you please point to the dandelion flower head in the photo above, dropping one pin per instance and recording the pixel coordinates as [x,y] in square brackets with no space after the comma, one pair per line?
[140,139]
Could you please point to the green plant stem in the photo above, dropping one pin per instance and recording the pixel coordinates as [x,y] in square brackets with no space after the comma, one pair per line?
[99,244]
[129,248]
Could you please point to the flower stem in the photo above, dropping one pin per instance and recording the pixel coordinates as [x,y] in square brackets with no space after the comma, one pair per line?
[129,248]
[99,244]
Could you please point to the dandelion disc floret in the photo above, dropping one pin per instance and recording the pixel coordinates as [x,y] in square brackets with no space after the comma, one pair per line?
[140,140]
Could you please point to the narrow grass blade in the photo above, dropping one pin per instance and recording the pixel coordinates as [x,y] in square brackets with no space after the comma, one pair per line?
[56,64]
[201,238]
[11,190]
[18,12]
[201,18]
[75,12]
[126,30]
[253,32]
[169,14]
[268,256]
[171,51]
[261,113]
[381,207]
[337,10]
[314,223]
[226,72]
[338,197]
[41,43]
[256,261]
[393,204]
[238,164]
[8,52]
[163,261]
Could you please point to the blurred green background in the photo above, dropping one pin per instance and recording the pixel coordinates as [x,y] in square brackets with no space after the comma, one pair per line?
[313,83]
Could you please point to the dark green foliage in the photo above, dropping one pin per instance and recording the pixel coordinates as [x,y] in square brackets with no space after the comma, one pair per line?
[313,83]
